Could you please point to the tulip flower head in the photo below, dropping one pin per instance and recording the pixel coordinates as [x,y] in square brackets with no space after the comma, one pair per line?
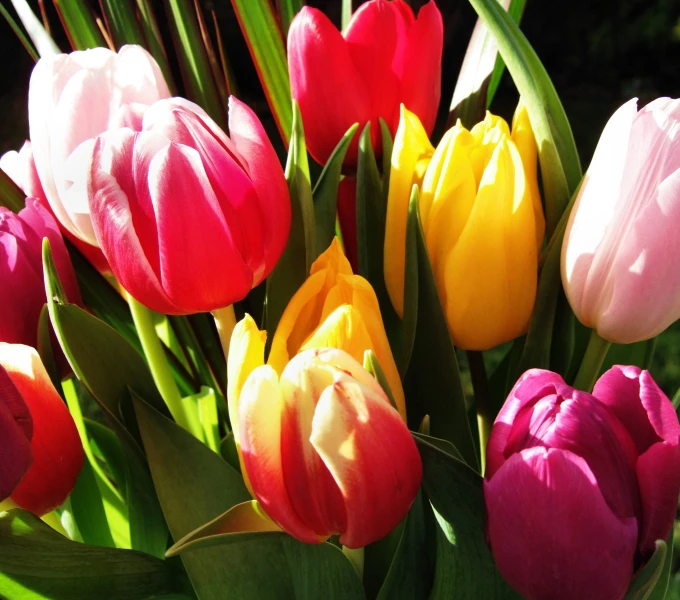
[20,167]
[55,447]
[357,76]
[576,482]
[482,221]
[72,98]
[324,451]
[622,230]
[189,219]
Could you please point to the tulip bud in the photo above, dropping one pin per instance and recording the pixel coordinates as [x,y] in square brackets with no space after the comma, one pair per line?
[324,451]
[482,221]
[336,309]
[21,271]
[575,481]
[623,227]
[357,76]
[57,451]
[72,98]
[189,219]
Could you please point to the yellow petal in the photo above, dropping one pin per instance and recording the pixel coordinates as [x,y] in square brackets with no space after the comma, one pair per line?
[411,151]
[332,258]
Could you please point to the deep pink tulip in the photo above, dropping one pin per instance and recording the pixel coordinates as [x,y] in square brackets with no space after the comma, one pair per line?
[579,486]
[72,98]
[189,219]
[623,228]
[21,270]
[384,57]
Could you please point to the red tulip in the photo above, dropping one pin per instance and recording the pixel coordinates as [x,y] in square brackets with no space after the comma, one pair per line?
[579,486]
[21,271]
[383,58]
[189,219]
[57,451]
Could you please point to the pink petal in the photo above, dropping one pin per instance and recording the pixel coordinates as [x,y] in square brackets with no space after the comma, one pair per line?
[551,531]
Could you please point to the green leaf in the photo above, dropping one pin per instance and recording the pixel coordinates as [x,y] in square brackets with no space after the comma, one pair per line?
[646,579]
[464,567]
[433,384]
[193,59]
[10,195]
[402,344]
[267,48]
[294,265]
[25,42]
[659,591]
[44,43]
[325,192]
[287,11]
[38,563]
[372,365]
[80,25]
[208,417]
[560,167]
[515,11]
[45,347]
[154,41]
[121,21]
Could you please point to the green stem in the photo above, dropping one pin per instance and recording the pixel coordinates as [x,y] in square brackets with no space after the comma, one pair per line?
[158,362]
[356,557]
[485,413]
[592,362]
[225,319]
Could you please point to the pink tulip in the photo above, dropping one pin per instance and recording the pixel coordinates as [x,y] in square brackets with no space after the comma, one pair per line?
[579,486]
[616,269]
[384,57]
[189,219]
[55,444]
[73,98]
[21,270]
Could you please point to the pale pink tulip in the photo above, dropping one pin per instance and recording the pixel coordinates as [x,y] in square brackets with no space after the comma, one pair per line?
[20,167]
[72,99]
[619,266]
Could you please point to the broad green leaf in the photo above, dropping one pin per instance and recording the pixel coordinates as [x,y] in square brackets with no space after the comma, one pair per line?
[372,365]
[464,566]
[433,385]
[80,25]
[25,42]
[206,402]
[121,21]
[37,563]
[193,59]
[402,343]
[560,167]
[154,41]
[203,326]
[44,43]
[10,195]
[287,11]
[325,194]
[267,48]
[646,579]
[294,265]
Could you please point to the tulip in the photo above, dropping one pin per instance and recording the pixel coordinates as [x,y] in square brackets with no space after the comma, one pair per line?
[358,76]
[57,451]
[21,271]
[324,451]
[189,219]
[335,309]
[482,221]
[622,230]
[576,482]
[72,98]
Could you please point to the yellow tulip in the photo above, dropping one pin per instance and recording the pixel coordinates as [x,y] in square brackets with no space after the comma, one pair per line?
[482,221]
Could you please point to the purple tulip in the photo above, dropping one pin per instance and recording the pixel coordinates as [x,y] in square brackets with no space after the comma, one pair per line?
[578,486]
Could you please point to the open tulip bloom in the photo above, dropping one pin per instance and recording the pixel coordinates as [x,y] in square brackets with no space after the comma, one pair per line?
[229,372]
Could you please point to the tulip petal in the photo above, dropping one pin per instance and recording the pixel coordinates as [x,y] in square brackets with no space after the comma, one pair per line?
[319,65]
[371,455]
[261,409]
[551,531]
[57,451]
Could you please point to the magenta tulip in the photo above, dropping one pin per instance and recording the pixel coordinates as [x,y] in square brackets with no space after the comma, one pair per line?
[21,271]
[623,228]
[579,486]
[189,219]
[384,57]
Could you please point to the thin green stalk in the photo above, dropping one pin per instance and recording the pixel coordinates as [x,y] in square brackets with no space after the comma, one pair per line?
[592,362]
[485,413]
[225,319]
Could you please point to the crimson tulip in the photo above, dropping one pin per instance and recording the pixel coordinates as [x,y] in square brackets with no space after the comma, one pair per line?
[579,486]
[55,444]
[189,219]
[384,57]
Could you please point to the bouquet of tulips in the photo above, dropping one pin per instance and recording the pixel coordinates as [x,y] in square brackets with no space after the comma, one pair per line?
[233,360]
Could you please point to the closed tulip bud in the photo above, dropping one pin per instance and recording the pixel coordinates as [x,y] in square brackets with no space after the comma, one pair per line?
[72,98]
[357,76]
[622,230]
[482,221]
[55,445]
[21,271]
[576,481]
[324,451]
[336,309]
[189,219]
